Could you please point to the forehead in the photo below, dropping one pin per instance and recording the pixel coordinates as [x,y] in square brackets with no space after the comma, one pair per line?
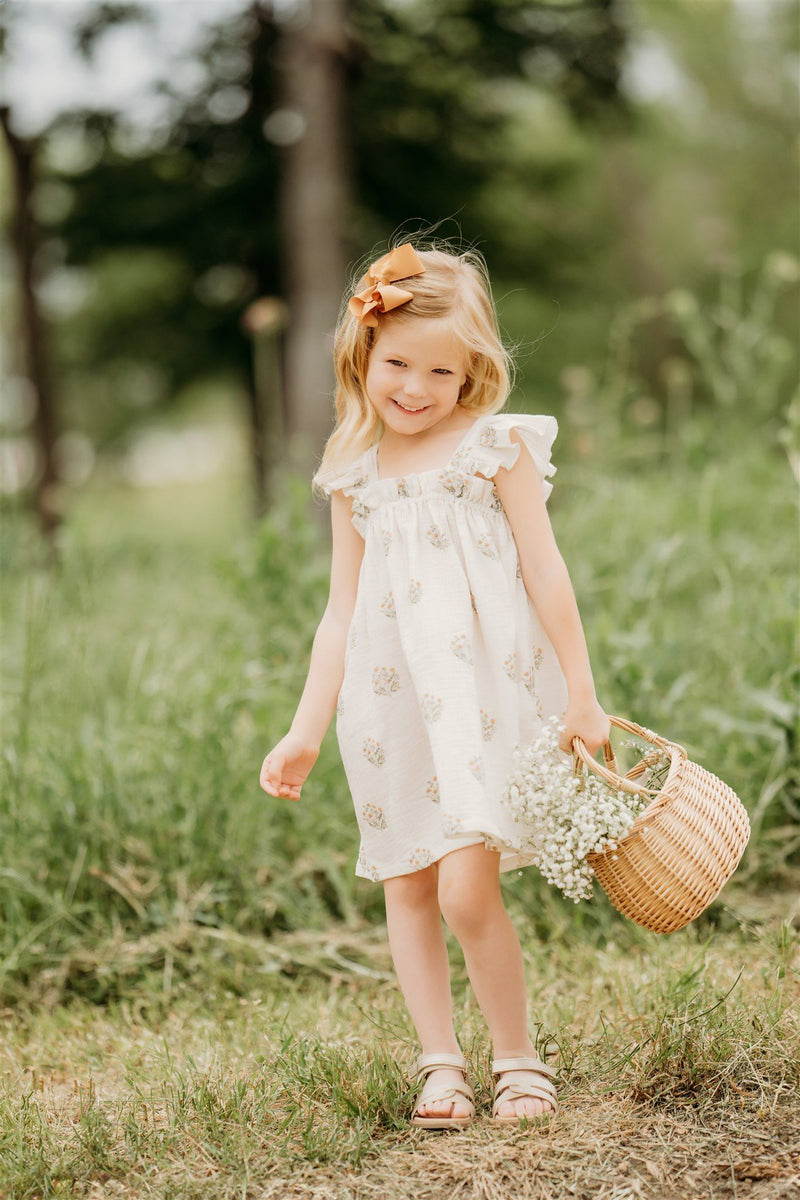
[420,338]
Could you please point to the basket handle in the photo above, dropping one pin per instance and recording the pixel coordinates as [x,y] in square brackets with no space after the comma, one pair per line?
[610,772]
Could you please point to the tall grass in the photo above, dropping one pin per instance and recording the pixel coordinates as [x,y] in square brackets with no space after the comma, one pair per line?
[145,678]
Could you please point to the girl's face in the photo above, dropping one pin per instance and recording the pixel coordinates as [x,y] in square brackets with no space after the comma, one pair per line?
[415,372]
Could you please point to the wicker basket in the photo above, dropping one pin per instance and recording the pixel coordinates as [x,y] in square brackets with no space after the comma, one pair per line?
[681,850]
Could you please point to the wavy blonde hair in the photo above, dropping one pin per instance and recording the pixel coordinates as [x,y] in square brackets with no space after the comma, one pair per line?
[453,285]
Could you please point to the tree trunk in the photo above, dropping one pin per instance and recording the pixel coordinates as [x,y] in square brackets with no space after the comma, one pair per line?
[313,199]
[24,235]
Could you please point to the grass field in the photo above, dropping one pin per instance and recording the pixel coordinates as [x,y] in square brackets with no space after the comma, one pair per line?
[197,994]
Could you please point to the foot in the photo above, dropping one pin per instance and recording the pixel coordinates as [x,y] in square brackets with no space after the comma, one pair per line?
[523,1087]
[523,1106]
[443,1078]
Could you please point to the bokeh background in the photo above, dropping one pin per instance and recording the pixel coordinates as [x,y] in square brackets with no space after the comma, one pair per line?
[184,187]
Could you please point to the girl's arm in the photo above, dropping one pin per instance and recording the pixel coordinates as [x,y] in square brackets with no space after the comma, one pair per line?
[548,584]
[288,764]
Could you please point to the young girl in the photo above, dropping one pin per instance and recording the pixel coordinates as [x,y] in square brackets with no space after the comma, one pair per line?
[451,631]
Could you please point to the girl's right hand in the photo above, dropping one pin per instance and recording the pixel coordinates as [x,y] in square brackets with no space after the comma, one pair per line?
[287,766]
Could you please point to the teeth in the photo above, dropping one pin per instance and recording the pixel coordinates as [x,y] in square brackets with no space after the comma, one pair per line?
[406,409]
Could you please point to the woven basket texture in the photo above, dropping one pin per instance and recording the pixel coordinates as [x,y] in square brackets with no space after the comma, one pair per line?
[681,850]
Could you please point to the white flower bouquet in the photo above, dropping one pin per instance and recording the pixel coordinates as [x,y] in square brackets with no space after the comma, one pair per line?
[568,815]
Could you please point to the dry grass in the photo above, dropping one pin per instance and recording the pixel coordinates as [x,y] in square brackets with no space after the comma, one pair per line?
[678,1060]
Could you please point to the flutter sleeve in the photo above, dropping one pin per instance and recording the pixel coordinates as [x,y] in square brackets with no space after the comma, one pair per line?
[494,448]
[348,479]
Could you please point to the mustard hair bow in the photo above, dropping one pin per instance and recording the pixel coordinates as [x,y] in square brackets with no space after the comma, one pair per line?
[377,293]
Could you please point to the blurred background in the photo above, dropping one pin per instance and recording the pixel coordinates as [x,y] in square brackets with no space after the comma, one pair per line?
[183,188]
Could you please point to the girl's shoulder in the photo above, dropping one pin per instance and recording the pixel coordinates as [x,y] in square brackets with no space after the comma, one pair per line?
[493,446]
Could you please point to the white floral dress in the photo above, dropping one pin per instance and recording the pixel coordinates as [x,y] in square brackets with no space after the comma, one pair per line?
[447,667]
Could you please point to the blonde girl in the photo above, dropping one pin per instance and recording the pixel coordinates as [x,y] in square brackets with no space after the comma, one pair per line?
[451,631]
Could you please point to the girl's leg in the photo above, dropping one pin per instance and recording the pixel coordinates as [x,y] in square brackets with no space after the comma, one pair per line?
[419,952]
[472,904]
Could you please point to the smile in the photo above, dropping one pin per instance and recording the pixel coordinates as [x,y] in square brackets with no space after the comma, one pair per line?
[411,410]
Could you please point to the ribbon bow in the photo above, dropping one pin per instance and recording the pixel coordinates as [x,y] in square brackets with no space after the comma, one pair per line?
[378,294]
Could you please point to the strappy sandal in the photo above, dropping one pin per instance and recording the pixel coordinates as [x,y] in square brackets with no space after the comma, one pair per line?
[426,1063]
[542,1089]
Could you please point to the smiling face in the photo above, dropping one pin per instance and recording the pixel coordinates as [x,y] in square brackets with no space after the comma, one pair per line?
[416,369]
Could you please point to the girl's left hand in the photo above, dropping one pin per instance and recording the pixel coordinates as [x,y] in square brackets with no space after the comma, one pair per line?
[589,722]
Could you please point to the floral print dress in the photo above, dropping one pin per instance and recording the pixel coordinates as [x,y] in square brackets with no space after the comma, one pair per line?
[447,667]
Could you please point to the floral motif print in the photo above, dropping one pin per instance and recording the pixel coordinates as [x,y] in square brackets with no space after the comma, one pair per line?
[437,536]
[495,502]
[460,646]
[420,858]
[511,664]
[529,676]
[518,570]
[476,767]
[486,546]
[385,680]
[361,509]
[451,824]
[488,725]
[472,603]
[432,789]
[387,540]
[373,752]
[488,435]
[455,483]
[414,591]
[388,605]
[431,707]
[402,488]
[367,867]
[374,815]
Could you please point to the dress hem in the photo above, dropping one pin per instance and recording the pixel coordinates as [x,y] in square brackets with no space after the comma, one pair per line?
[511,858]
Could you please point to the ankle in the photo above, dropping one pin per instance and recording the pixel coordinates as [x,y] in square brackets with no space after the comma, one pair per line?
[528,1051]
[441,1047]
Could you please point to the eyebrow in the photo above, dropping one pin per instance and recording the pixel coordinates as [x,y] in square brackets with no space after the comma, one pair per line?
[444,362]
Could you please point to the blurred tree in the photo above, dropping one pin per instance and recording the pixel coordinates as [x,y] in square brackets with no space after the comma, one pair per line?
[313,209]
[25,236]
[182,230]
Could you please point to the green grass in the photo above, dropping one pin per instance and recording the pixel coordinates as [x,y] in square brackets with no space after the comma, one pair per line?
[145,678]
[678,1061]
[199,999]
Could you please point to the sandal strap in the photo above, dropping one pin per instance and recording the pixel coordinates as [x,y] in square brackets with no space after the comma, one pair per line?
[513,1090]
[430,1062]
[444,1094]
[523,1063]
[537,1089]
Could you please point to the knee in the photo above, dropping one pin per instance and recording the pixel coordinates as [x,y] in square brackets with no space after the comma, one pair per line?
[417,890]
[466,908]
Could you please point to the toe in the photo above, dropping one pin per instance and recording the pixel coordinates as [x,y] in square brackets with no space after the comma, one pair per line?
[524,1106]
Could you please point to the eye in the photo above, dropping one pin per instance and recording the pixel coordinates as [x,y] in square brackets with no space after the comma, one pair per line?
[395,362]
[442,371]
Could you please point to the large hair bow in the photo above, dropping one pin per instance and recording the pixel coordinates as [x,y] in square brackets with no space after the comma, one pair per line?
[377,292]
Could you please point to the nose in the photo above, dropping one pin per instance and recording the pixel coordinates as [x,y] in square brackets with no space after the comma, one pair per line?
[413,387]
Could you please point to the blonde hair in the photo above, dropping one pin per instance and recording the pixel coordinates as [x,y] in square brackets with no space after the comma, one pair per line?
[453,285]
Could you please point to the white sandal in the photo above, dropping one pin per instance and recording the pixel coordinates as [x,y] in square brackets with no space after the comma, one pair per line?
[542,1089]
[426,1063]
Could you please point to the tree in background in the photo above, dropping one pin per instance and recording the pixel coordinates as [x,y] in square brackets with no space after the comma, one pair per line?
[509,116]
[246,192]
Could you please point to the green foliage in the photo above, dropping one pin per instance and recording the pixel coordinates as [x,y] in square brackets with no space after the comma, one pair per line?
[145,680]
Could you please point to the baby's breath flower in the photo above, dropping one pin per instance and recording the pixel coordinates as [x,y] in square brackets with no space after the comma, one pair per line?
[568,815]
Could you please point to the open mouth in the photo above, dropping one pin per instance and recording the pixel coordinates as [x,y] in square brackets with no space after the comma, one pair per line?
[408,410]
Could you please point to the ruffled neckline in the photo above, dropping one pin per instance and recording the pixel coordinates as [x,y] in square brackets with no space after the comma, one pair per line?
[370,458]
